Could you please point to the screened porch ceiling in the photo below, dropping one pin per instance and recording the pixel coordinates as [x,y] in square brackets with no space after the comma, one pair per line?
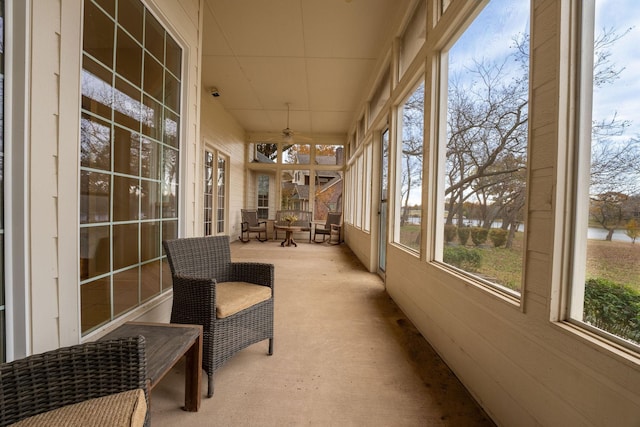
[320,56]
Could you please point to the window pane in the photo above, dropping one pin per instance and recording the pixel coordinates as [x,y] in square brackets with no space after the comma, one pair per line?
[125,245]
[263,196]
[149,199]
[208,193]
[125,198]
[128,58]
[296,154]
[97,90]
[169,230]
[606,289]
[174,57]
[95,298]
[108,5]
[328,197]
[409,215]
[483,166]
[126,105]
[222,191]
[152,76]
[151,117]
[99,41]
[359,183]
[95,192]
[171,92]
[171,126]
[95,143]
[94,251]
[327,154]
[154,36]
[126,152]
[128,174]
[151,151]
[170,183]
[150,280]
[125,291]
[149,240]
[294,190]
[130,14]
[266,153]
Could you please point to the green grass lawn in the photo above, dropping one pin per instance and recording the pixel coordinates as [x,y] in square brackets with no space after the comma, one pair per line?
[618,262]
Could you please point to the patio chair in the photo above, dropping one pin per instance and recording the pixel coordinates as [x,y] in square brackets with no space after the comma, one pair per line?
[233,301]
[44,385]
[251,224]
[329,228]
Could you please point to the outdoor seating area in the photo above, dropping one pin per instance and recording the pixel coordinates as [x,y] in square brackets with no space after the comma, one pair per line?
[302,220]
[346,355]
[92,384]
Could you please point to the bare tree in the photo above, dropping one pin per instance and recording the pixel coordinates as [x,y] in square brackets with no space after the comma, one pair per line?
[412,148]
[487,133]
[615,170]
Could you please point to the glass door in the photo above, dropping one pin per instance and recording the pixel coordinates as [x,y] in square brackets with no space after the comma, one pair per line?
[382,213]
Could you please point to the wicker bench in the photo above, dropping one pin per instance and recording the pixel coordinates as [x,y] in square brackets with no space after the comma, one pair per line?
[304,221]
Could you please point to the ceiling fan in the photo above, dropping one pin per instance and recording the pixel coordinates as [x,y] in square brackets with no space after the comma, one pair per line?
[288,133]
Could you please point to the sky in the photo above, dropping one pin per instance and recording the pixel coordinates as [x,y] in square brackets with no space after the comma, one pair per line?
[623,96]
[490,35]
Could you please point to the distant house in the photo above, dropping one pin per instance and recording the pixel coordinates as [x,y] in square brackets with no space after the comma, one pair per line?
[328,186]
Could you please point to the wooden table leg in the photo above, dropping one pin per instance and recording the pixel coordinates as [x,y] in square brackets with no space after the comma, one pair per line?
[193,376]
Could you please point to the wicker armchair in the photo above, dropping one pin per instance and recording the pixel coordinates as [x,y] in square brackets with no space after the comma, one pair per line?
[233,301]
[52,380]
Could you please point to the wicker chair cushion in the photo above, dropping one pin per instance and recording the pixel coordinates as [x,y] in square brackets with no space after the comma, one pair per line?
[125,409]
[233,297]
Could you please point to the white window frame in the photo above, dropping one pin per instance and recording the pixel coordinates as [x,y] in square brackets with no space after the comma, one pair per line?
[571,303]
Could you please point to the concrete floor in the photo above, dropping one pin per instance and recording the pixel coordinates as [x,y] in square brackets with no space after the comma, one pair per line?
[344,355]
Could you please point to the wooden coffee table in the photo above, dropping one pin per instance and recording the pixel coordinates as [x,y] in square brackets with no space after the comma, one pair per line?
[166,343]
[289,230]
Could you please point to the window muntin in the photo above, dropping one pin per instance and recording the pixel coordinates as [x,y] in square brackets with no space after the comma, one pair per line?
[483,156]
[605,293]
[129,160]
[408,215]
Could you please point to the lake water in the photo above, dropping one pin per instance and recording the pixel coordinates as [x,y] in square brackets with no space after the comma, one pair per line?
[593,233]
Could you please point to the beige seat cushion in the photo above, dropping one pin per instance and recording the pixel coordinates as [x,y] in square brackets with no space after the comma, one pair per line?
[232,297]
[125,409]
